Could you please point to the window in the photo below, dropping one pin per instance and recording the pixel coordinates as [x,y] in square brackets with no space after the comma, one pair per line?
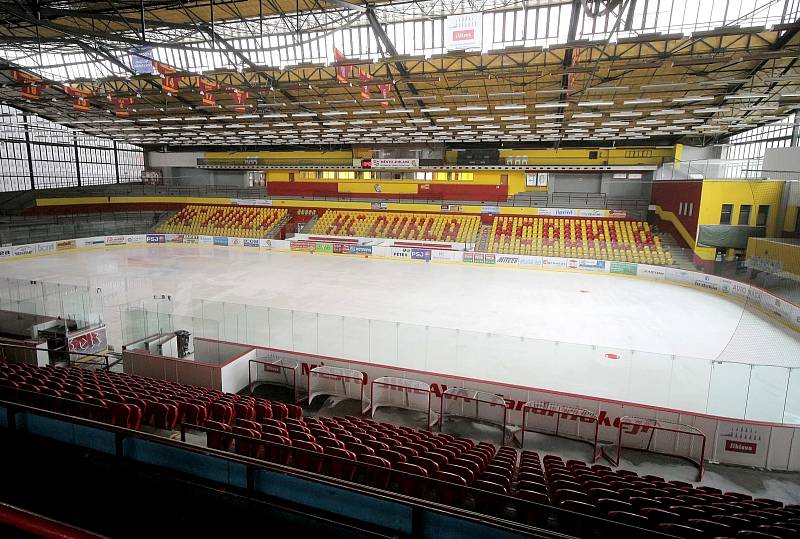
[744,214]
[725,216]
[763,215]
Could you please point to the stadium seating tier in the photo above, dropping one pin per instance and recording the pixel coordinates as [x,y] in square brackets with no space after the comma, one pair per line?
[407,226]
[235,221]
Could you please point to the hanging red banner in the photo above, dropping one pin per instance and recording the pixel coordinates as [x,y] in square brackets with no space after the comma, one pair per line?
[31,91]
[169,85]
[364,77]
[21,76]
[164,69]
[121,104]
[76,92]
[342,71]
[81,104]
[239,97]
[386,89]
[206,87]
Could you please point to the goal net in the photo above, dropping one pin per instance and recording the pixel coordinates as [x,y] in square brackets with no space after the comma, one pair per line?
[659,436]
[279,372]
[561,420]
[338,382]
[477,406]
[390,391]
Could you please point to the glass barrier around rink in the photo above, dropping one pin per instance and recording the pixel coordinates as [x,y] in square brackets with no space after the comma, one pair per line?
[759,391]
[141,328]
[81,304]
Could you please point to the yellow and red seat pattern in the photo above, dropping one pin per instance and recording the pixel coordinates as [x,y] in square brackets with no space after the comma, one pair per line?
[604,239]
[407,226]
[236,221]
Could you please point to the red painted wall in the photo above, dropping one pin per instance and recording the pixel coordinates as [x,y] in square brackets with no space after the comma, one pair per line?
[476,193]
[668,194]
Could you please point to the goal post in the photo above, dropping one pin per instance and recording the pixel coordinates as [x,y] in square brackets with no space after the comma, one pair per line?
[659,436]
[478,406]
[391,391]
[338,382]
[563,421]
[280,372]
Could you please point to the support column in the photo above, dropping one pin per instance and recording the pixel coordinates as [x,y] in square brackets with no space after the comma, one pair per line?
[77,157]
[116,161]
[25,119]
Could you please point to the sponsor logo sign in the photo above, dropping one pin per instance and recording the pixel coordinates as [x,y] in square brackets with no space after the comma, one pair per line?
[572,263]
[207,240]
[591,213]
[47,247]
[395,163]
[654,272]
[401,253]
[489,258]
[89,242]
[23,250]
[341,248]
[6,252]
[592,265]
[156,238]
[508,260]
[251,242]
[88,342]
[236,242]
[553,262]
[533,261]
[323,247]
[265,244]
[220,240]
[378,205]
[463,31]
[451,208]
[736,446]
[421,254]
[360,249]
[706,282]
[65,245]
[490,209]
[469,257]
[617,214]
[139,238]
[624,268]
[301,245]
[175,238]
[250,202]
[557,212]
[191,238]
[115,240]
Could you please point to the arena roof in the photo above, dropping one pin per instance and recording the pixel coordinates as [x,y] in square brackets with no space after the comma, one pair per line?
[539,73]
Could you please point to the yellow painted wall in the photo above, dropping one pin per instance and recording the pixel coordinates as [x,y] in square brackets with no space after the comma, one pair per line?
[654,155]
[791,218]
[786,253]
[738,192]
[277,156]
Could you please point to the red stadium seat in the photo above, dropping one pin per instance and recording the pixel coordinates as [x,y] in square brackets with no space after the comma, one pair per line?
[409,485]
[245,447]
[218,440]
[377,473]
[311,458]
[343,466]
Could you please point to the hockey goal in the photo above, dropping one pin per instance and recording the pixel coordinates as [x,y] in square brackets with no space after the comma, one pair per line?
[563,421]
[279,372]
[390,391]
[659,436]
[338,382]
[477,406]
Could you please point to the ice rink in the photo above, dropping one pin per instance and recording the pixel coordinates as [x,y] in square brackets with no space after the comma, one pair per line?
[604,311]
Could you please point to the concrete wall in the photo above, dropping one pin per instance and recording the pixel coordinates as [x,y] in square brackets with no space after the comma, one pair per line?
[782,160]
[575,183]
[173,159]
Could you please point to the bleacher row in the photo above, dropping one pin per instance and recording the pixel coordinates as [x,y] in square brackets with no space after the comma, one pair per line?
[235,221]
[126,400]
[601,239]
[619,240]
[408,226]
[451,470]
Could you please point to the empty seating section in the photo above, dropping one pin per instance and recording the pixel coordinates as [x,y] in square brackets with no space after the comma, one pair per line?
[235,221]
[407,226]
[129,401]
[403,459]
[648,501]
[602,239]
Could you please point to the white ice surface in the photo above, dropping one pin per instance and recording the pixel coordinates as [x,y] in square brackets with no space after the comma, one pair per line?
[602,310]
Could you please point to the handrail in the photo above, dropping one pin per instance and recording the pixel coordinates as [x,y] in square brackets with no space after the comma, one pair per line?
[252,464]
[41,526]
[105,356]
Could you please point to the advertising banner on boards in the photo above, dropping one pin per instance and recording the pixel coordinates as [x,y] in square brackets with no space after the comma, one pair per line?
[220,240]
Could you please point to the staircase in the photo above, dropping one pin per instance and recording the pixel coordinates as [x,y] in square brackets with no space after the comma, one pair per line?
[276,230]
[309,226]
[483,238]
[680,255]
